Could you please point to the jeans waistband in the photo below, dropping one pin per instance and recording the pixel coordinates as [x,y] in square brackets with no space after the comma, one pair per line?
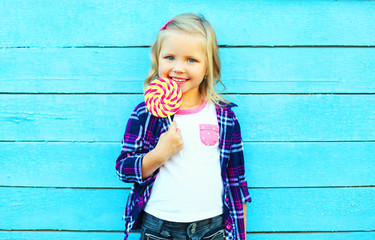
[158,223]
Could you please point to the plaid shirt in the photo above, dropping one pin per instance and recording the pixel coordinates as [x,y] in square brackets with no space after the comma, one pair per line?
[142,134]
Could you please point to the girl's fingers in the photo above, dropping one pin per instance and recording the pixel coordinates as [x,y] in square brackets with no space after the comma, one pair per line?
[178,131]
[173,127]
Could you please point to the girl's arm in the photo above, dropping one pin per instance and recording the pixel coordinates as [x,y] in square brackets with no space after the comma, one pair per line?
[245,216]
[137,163]
[237,153]
[169,144]
[133,148]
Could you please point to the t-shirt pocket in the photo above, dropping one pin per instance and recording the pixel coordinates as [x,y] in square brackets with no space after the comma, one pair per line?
[209,134]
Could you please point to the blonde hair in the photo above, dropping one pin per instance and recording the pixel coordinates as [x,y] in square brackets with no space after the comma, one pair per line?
[193,24]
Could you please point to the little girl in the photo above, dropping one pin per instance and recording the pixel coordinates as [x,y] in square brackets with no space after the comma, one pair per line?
[201,193]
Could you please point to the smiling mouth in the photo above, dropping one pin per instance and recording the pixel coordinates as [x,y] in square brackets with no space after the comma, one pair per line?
[178,79]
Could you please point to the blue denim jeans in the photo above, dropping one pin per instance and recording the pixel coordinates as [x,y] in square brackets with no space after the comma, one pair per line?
[154,228]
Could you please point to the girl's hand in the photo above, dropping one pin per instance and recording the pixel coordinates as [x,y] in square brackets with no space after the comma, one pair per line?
[169,143]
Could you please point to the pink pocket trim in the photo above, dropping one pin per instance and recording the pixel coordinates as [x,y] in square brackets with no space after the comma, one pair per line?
[209,134]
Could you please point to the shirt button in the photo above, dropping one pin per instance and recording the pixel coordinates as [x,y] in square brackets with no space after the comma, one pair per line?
[227,227]
[165,233]
[227,199]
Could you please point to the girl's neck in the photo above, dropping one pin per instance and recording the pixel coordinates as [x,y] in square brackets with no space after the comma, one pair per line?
[190,102]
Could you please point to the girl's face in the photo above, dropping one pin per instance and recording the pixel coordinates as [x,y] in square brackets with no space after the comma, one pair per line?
[183,60]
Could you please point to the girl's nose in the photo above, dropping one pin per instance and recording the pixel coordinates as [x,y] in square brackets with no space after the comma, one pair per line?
[179,67]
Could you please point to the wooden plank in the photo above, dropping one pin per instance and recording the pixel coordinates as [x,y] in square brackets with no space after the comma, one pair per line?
[244,70]
[310,164]
[267,164]
[319,209]
[62,209]
[311,209]
[313,236]
[37,235]
[60,165]
[262,117]
[113,23]
[133,236]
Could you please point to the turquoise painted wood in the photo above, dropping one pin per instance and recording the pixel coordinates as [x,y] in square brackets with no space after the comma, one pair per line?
[113,23]
[35,235]
[272,210]
[305,164]
[263,117]
[116,235]
[302,73]
[244,70]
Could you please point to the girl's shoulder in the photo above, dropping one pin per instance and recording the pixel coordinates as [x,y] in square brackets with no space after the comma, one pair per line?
[226,106]
[224,109]
[231,105]
[140,111]
[141,108]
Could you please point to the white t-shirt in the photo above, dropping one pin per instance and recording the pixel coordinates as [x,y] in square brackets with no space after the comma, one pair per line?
[189,186]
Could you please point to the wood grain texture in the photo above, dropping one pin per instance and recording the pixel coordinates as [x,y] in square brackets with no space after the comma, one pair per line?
[38,235]
[263,117]
[113,23]
[135,236]
[267,164]
[302,73]
[244,70]
[320,209]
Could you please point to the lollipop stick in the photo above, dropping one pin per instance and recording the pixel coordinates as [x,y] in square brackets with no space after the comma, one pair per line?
[170,121]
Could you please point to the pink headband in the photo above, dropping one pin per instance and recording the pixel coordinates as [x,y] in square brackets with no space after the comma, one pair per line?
[165,25]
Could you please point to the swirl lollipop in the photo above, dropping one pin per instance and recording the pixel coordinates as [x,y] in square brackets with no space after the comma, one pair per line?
[163,97]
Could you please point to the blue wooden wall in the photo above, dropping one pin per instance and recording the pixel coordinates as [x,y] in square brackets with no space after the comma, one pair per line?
[302,72]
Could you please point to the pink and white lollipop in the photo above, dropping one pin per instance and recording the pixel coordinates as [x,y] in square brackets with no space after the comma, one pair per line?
[163,97]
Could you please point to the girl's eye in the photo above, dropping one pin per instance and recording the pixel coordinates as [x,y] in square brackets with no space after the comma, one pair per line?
[191,60]
[169,58]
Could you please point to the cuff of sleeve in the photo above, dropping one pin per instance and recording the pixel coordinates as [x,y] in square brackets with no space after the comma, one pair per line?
[142,181]
[147,180]
[245,196]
